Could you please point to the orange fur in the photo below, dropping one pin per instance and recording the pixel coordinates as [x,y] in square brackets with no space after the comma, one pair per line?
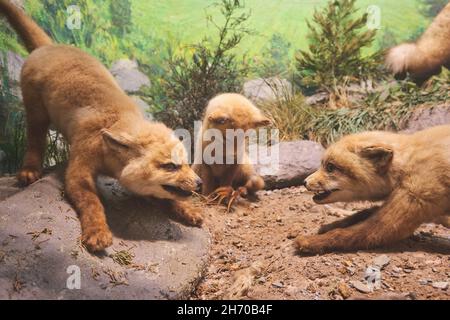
[108,135]
[410,173]
[230,111]
[426,56]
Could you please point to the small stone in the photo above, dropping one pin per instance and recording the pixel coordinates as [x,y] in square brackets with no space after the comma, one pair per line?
[407,270]
[292,235]
[344,290]
[262,280]
[278,285]
[443,285]
[279,219]
[424,281]
[361,287]
[381,261]
[292,208]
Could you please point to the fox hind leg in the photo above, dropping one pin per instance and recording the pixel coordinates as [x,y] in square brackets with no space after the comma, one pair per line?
[38,122]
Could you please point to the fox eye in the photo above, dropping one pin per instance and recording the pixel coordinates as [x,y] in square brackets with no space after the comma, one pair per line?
[330,167]
[171,166]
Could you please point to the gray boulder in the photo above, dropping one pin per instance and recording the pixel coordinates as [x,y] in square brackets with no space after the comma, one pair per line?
[296,160]
[128,76]
[8,187]
[13,63]
[152,257]
[144,107]
[424,118]
[267,90]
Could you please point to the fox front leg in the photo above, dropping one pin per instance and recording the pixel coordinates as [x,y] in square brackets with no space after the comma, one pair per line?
[81,190]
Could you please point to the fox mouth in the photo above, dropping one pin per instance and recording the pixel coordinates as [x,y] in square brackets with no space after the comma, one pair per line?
[177,191]
[322,195]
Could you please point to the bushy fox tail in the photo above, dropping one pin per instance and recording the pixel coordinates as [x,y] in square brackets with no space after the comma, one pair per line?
[31,34]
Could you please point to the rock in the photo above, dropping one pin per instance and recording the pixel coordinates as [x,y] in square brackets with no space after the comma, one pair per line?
[424,118]
[128,76]
[381,261]
[144,107]
[344,290]
[13,63]
[443,285]
[320,97]
[361,287]
[8,187]
[295,161]
[267,90]
[278,285]
[156,258]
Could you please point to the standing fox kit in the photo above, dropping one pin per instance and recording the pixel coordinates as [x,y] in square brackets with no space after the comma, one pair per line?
[410,173]
[108,135]
[229,111]
[426,56]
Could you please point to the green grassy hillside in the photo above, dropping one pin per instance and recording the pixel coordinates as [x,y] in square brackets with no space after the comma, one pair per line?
[185,20]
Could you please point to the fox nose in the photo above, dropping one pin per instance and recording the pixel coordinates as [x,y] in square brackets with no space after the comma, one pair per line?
[305,183]
[199,183]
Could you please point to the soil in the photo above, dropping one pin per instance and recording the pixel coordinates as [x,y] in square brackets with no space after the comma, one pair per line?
[253,257]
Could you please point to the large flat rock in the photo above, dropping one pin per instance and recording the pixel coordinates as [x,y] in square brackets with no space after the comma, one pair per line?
[296,160]
[8,187]
[40,251]
[427,117]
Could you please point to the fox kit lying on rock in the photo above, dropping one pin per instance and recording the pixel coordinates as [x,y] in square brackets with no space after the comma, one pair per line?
[229,111]
[426,56]
[411,173]
[106,131]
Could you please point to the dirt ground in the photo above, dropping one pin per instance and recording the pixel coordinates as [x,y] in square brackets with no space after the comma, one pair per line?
[252,255]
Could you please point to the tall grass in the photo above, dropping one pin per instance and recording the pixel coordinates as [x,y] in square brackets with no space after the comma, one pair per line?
[387,109]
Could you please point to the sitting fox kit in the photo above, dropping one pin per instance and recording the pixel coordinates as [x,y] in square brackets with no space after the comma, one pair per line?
[426,56]
[410,173]
[108,135]
[230,111]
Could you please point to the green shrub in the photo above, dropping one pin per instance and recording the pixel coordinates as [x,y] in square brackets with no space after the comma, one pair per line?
[275,59]
[94,34]
[201,71]
[336,41]
[388,109]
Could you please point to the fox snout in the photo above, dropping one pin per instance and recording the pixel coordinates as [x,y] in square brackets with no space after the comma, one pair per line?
[310,181]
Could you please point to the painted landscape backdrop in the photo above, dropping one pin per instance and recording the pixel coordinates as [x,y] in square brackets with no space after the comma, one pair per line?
[314,66]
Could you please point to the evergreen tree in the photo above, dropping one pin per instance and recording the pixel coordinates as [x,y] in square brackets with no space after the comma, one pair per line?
[335,56]
[121,16]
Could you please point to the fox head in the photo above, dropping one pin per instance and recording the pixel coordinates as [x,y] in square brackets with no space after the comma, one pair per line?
[150,161]
[233,111]
[356,168]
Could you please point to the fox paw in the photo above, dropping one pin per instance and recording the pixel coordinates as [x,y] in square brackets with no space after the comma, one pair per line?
[97,238]
[27,176]
[191,215]
[309,244]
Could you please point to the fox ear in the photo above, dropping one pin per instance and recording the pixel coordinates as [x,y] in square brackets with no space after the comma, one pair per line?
[262,122]
[381,156]
[116,141]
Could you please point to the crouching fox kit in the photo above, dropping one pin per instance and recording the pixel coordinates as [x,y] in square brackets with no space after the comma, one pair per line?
[108,135]
[229,111]
[426,56]
[410,173]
